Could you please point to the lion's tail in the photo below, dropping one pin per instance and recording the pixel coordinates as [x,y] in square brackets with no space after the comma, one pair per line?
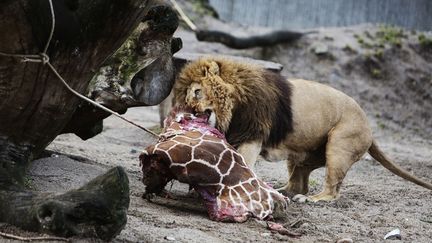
[378,155]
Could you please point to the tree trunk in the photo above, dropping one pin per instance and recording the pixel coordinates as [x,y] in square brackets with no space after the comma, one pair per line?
[100,206]
[140,73]
[35,107]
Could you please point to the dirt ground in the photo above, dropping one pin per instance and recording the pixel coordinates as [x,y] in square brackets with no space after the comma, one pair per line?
[373,201]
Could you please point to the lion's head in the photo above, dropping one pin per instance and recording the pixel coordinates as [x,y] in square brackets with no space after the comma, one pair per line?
[201,86]
[248,102]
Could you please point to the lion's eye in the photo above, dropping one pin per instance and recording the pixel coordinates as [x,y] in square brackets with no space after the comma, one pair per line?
[198,93]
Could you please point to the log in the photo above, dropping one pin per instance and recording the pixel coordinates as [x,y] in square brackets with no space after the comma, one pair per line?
[140,73]
[35,107]
[99,206]
[181,58]
[235,42]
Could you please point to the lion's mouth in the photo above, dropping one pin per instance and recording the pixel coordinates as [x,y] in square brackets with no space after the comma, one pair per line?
[208,115]
[205,113]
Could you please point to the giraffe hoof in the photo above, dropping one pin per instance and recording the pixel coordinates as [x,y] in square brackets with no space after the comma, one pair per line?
[301,198]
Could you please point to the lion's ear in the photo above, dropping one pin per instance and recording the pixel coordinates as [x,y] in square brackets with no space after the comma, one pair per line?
[212,68]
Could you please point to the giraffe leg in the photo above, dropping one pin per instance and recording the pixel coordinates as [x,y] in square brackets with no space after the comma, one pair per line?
[345,146]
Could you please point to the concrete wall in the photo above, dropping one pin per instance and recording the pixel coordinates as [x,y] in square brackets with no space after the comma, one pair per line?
[300,14]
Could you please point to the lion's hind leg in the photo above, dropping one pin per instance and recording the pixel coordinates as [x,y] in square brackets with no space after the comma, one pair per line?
[345,146]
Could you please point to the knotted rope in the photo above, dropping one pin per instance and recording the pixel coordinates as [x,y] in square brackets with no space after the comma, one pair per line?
[45,60]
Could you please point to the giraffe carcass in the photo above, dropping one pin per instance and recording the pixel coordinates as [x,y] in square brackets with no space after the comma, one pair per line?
[193,152]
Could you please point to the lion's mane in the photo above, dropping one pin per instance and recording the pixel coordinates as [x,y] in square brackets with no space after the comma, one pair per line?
[250,102]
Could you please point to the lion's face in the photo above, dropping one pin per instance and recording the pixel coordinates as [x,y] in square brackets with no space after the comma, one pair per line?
[201,86]
[197,98]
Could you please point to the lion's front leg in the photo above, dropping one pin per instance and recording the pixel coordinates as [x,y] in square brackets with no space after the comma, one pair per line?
[250,151]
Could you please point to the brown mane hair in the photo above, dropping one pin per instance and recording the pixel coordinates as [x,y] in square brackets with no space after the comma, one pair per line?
[257,107]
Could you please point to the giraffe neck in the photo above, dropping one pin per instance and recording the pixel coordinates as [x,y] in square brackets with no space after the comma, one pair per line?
[196,153]
[187,121]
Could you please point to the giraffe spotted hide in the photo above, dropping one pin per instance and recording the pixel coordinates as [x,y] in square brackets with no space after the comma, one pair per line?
[193,152]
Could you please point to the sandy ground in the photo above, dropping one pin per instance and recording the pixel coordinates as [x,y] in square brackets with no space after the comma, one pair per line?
[373,201]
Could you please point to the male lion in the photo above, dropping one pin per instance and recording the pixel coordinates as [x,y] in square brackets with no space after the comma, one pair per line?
[306,123]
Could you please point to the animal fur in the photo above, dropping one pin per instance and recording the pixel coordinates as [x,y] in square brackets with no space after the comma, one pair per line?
[235,93]
[191,151]
[306,123]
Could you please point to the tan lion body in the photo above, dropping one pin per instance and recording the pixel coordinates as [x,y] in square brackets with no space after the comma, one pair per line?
[321,126]
[318,111]
[322,116]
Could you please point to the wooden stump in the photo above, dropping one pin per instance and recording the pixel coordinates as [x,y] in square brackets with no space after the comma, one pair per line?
[100,206]
[35,107]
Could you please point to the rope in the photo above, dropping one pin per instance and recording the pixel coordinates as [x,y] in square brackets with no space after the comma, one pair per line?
[45,60]
[95,103]
[52,26]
